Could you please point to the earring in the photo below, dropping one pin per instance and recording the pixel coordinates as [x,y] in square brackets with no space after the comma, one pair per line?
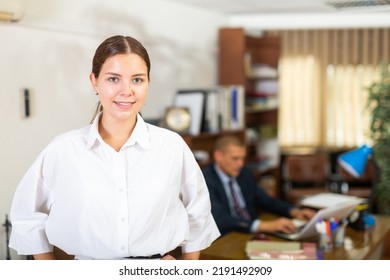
[96,93]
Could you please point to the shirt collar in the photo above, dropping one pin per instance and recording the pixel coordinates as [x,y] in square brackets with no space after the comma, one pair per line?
[139,135]
[222,175]
[93,131]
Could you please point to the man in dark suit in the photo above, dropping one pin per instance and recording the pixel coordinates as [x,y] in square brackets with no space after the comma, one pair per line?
[235,196]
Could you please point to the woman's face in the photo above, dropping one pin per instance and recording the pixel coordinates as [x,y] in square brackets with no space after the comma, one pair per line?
[122,86]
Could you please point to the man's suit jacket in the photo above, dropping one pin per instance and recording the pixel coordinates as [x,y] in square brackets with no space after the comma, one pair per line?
[254,198]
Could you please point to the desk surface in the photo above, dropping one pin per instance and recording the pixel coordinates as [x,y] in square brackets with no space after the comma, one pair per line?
[358,245]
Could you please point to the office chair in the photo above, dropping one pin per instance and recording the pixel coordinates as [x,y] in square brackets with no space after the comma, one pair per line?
[305,175]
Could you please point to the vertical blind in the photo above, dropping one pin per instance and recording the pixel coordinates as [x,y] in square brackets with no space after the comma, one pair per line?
[324,76]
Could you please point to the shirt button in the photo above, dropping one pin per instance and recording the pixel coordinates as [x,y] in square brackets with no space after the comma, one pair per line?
[123,219]
[123,248]
[121,190]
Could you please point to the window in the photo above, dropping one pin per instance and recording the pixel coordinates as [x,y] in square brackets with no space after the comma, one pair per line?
[324,75]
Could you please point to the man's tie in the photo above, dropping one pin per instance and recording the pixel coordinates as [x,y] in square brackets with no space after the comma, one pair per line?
[240,211]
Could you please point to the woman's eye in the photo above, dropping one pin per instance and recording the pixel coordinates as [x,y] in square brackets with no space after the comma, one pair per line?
[113,79]
[137,80]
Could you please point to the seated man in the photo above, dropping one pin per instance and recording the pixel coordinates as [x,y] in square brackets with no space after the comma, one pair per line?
[234,194]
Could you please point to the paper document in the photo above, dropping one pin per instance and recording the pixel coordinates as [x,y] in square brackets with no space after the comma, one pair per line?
[324,200]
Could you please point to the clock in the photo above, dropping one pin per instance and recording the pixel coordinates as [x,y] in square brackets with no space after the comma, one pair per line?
[178,119]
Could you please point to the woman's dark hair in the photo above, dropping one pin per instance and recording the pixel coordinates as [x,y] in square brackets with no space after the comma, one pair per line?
[117,45]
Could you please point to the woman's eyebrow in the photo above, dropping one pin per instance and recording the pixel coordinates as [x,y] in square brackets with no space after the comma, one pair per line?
[112,74]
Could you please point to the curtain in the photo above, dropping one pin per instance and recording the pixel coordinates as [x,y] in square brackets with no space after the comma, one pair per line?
[324,75]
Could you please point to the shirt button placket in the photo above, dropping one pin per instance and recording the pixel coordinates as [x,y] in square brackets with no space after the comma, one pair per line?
[122,202]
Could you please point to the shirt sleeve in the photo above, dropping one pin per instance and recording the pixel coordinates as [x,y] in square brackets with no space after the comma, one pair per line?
[29,212]
[195,196]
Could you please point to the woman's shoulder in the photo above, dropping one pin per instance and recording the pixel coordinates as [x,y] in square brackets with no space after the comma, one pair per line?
[75,134]
[61,143]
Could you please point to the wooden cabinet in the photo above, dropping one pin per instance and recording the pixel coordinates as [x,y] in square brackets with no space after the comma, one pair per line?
[253,62]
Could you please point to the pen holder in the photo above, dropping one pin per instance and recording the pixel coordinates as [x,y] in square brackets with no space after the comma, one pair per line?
[325,242]
[338,236]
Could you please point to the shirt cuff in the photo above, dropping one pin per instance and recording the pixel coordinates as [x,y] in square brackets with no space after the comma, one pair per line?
[29,239]
[255,226]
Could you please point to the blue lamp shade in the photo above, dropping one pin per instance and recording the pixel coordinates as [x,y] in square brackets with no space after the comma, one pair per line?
[354,162]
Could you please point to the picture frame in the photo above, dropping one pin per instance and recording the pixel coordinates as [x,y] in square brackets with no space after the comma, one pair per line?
[194,100]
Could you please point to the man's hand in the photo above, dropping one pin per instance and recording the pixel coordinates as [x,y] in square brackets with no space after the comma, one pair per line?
[302,214]
[280,225]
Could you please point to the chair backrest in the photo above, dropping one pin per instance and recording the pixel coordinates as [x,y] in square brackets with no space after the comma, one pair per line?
[306,168]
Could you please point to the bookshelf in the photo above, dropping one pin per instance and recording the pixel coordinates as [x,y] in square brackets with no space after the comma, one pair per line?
[219,111]
[253,62]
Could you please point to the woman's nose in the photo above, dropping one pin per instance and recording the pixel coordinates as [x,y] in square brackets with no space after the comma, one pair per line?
[127,89]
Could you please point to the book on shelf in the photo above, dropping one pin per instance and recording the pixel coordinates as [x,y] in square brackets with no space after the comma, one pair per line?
[260,70]
[257,70]
[225,108]
[267,87]
[215,109]
[281,250]
[261,101]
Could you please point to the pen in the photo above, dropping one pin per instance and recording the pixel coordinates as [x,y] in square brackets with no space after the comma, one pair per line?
[333,224]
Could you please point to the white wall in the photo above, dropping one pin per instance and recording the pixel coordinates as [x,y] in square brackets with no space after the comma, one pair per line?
[50,51]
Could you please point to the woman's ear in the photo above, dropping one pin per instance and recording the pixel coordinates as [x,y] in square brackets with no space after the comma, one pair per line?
[93,80]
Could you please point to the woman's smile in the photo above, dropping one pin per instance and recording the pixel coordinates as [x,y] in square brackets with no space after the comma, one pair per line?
[124,105]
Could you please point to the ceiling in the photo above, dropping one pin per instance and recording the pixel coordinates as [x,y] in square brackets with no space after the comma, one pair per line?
[241,7]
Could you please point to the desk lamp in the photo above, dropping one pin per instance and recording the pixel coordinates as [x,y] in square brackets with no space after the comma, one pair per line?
[354,162]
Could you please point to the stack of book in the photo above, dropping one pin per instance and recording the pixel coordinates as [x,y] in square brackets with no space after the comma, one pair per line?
[263,94]
[261,70]
[279,250]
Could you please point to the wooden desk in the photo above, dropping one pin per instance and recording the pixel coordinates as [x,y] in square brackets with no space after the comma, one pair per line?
[358,245]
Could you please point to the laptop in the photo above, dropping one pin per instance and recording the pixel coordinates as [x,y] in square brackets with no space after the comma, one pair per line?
[309,228]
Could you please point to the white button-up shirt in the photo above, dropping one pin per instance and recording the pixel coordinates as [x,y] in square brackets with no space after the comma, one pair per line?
[91,201]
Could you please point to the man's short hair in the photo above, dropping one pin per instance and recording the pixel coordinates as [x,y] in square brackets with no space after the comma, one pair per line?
[222,142]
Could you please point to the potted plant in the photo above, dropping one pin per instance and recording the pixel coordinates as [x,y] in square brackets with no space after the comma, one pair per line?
[379,106]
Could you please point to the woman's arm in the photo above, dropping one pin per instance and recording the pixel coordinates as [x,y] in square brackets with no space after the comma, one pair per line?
[191,255]
[44,256]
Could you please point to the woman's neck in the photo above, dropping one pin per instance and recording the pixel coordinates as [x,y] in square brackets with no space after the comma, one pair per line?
[116,133]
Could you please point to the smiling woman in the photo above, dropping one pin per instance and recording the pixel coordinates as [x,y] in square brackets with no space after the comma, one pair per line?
[103,171]
[122,87]
[126,73]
